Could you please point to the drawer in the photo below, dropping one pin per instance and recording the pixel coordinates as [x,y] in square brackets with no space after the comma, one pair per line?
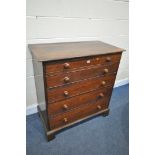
[78,113]
[73,89]
[74,102]
[77,75]
[71,64]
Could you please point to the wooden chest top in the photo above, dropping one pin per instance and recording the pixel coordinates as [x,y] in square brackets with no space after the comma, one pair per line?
[58,51]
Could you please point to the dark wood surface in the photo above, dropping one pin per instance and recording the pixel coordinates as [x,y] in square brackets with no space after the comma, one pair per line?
[77,79]
[77,113]
[53,67]
[104,113]
[81,74]
[57,94]
[58,51]
[50,136]
[74,102]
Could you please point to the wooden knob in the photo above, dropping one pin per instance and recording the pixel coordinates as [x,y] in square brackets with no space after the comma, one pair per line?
[66,65]
[66,79]
[65,106]
[106,70]
[88,61]
[103,83]
[99,107]
[108,59]
[101,95]
[66,93]
[65,120]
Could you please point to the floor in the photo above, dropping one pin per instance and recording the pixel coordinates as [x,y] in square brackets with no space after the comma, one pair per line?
[98,136]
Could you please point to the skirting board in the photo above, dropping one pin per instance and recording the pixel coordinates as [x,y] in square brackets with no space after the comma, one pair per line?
[33,108]
[119,83]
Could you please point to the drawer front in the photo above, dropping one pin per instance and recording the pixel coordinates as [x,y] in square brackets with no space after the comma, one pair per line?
[65,78]
[81,87]
[67,65]
[74,102]
[78,113]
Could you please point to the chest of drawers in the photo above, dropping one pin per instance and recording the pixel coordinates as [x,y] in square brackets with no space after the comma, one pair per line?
[74,81]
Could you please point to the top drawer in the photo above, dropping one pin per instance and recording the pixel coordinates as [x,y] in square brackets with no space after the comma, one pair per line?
[67,65]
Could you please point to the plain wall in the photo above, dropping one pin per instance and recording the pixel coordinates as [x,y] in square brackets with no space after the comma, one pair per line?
[76,20]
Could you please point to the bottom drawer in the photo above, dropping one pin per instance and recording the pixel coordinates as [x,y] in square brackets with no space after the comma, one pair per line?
[76,114]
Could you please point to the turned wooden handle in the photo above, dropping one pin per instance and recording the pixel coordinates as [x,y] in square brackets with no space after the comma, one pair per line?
[101,95]
[65,120]
[97,59]
[106,70]
[99,107]
[66,65]
[66,79]
[65,106]
[66,93]
[103,83]
[108,59]
[88,61]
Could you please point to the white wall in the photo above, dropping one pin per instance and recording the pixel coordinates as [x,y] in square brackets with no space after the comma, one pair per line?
[76,20]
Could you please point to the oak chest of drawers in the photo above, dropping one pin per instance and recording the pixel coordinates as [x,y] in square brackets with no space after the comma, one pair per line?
[74,81]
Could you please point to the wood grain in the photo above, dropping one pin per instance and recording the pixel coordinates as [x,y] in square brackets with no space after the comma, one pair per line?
[69,104]
[77,113]
[77,80]
[57,94]
[53,67]
[59,51]
[77,75]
